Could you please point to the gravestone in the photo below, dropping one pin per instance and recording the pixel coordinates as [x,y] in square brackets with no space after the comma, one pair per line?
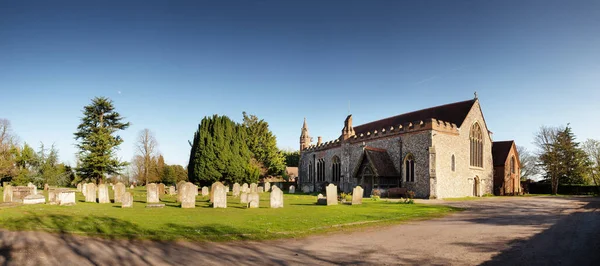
[31,185]
[195,190]
[66,198]
[46,187]
[267,186]
[260,189]
[53,195]
[244,198]
[119,192]
[219,197]
[188,197]
[236,190]
[306,189]
[103,194]
[212,190]
[204,191]
[253,200]
[20,192]
[292,189]
[8,193]
[127,200]
[79,187]
[90,192]
[245,187]
[253,188]
[34,199]
[152,193]
[161,189]
[357,195]
[179,184]
[227,189]
[172,190]
[331,192]
[131,187]
[321,200]
[84,189]
[276,198]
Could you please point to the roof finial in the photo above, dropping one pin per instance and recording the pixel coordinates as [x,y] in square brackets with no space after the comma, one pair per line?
[475,94]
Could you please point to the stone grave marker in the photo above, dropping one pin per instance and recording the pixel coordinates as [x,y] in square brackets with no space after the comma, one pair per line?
[8,193]
[331,192]
[46,187]
[172,190]
[103,194]
[84,189]
[127,200]
[119,192]
[66,198]
[220,197]
[321,200]
[90,192]
[79,187]
[244,198]
[53,195]
[152,193]
[292,189]
[31,185]
[212,190]
[306,189]
[188,196]
[204,191]
[253,188]
[260,189]
[245,187]
[253,200]
[276,198]
[236,190]
[357,195]
[20,192]
[34,199]
[267,186]
[131,186]
[161,189]
[179,184]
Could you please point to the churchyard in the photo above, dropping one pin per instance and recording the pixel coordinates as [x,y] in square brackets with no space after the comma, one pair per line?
[298,216]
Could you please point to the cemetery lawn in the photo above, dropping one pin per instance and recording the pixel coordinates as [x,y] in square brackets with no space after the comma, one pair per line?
[299,217]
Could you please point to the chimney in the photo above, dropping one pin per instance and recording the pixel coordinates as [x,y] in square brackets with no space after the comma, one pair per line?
[319,140]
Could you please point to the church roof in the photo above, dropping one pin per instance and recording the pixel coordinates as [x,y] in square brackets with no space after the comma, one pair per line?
[500,151]
[380,162]
[453,113]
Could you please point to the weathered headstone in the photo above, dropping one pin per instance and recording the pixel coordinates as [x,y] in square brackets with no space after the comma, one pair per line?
[8,193]
[227,189]
[90,192]
[119,192]
[195,190]
[357,195]
[31,185]
[152,193]
[131,186]
[172,190]
[46,187]
[236,190]
[212,190]
[244,197]
[161,189]
[253,188]
[84,189]
[20,192]
[267,186]
[253,200]
[34,199]
[79,187]
[292,189]
[204,191]
[306,189]
[66,198]
[127,200]
[245,187]
[103,194]
[321,200]
[331,191]
[219,197]
[53,195]
[179,184]
[276,198]
[260,189]
[188,197]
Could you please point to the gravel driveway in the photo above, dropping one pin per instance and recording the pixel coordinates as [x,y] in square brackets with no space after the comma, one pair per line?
[494,231]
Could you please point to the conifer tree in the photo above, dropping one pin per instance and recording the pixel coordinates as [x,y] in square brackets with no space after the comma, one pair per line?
[263,145]
[98,140]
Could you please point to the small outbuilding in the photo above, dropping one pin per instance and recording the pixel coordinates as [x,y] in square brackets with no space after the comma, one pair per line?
[507,168]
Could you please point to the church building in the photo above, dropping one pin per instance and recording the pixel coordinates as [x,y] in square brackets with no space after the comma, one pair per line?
[439,152]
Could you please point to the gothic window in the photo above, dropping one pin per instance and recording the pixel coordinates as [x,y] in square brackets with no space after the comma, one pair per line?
[512,165]
[453,163]
[476,141]
[311,171]
[409,168]
[320,170]
[335,169]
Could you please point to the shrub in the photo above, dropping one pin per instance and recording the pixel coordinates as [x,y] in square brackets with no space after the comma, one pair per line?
[376,192]
[375,198]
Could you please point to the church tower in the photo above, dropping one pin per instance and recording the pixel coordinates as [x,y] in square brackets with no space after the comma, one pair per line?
[305,139]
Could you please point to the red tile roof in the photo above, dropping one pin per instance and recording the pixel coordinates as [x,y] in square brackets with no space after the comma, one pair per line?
[500,151]
[453,113]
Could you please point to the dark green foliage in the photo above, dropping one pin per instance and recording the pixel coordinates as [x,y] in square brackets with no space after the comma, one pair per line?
[292,158]
[41,168]
[263,145]
[98,140]
[220,153]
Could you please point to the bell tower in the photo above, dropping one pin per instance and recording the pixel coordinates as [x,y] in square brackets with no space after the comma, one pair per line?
[348,130]
[305,139]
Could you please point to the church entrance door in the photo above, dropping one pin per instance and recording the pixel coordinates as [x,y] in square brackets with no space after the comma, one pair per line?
[367,182]
[476,186]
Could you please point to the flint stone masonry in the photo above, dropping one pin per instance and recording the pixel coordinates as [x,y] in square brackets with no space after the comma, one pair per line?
[244,198]
[188,196]
[253,200]
[66,198]
[236,190]
[220,197]
[204,191]
[8,193]
[152,193]
[90,192]
[267,186]
[292,189]
[357,195]
[253,188]
[127,200]
[34,199]
[119,190]
[103,194]
[276,198]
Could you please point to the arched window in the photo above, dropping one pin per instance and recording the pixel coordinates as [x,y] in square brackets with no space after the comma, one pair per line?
[311,171]
[335,169]
[320,170]
[476,140]
[453,163]
[409,168]
[512,165]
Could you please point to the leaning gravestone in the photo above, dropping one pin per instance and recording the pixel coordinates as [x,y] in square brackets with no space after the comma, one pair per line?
[103,194]
[66,198]
[253,188]
[152,193]
[244,198]
[331,191]
[172,190]
[357,195]
[34,199]
[260,189]
[267,186]
[245,187]
[188,197]
[90,192]
[119,192]
[8,193]
[276,198]
[161,189]
[253,200]
[212,190]
[127,200]
[306,189]
[292,189]
[236,190]
[321,200]
[204,191]
[219,197]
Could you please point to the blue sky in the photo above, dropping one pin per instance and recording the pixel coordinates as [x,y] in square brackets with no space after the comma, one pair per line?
[166,65]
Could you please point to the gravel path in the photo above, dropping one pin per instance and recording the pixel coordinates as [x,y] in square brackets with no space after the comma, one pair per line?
[495,231]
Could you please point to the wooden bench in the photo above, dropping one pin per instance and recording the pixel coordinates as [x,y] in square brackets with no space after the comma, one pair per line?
[396,192]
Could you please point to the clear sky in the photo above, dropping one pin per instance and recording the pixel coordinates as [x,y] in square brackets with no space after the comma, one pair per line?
[167,64]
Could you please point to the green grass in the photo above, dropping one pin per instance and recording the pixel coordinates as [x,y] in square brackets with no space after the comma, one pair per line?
[299,217]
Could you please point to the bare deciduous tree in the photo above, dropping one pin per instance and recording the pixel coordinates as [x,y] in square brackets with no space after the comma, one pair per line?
[546,140]
[146,147]
[7,143]
[592,149]
[529,164]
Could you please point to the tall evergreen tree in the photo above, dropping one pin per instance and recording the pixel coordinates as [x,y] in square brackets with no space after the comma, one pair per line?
[263,145]
[98,140]
[573,158]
